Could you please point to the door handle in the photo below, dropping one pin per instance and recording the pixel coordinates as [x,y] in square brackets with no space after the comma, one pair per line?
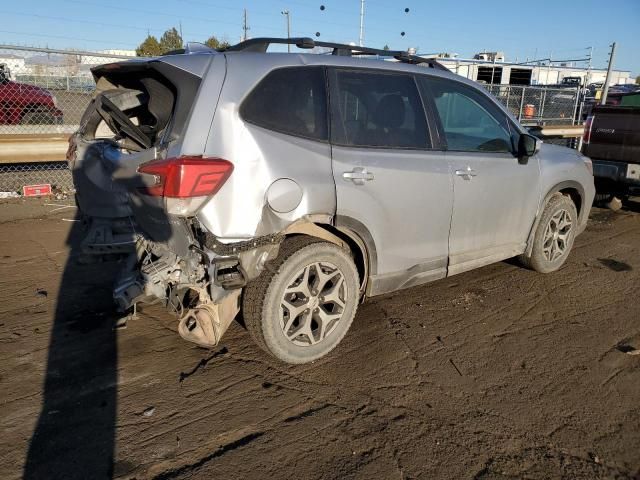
[358,175]
[466,173]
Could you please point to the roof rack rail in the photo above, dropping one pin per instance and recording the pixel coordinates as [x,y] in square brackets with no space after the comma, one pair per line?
[260,45]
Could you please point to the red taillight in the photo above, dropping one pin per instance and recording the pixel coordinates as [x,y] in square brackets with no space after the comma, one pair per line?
[186,177]
[586,136]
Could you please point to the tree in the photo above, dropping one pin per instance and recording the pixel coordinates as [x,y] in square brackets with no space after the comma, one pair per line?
[170,40]
[213,42]
[386,47]
[638,80]
[150,47]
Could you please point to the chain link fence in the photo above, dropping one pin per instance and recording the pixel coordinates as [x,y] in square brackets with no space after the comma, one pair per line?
[14,176]
[538,105]
[44,92]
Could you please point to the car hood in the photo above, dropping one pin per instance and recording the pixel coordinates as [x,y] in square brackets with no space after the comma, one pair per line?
[549,151]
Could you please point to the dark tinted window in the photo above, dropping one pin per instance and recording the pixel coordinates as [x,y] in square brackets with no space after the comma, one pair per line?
[290,100]
[471,123]
[376,110]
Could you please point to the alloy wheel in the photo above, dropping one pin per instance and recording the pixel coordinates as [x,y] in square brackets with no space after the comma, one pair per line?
[556,235]
[313,304]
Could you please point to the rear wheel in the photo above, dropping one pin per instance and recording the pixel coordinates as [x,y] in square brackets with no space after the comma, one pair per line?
[602,198]
[554,235]
[303,303]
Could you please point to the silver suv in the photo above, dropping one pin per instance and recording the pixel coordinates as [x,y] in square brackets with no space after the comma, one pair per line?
[288,187]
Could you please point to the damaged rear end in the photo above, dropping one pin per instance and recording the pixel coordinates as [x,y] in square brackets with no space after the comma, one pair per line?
[141,177]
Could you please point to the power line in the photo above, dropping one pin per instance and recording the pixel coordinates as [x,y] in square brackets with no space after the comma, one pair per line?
[299,19]
[63,37]
[161,14]
[304,20]
[90,22]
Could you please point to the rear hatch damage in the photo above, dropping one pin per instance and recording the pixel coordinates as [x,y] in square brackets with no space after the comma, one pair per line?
[140,108]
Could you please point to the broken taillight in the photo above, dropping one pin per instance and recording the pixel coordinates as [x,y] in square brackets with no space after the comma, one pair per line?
[586,136]
[186,177]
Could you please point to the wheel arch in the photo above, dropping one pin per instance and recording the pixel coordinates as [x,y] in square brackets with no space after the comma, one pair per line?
[347,233]
[569,188]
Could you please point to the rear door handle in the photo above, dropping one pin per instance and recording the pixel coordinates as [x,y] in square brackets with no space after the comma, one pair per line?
[358,175]
[467,173]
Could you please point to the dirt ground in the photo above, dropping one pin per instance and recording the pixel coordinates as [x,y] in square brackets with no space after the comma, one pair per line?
[499,373]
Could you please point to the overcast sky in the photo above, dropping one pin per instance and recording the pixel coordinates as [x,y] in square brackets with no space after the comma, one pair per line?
[522,29]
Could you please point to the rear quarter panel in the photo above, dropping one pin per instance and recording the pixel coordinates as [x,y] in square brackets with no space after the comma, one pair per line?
[260,157]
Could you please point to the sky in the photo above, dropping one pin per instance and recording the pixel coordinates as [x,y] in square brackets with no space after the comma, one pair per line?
[562,29]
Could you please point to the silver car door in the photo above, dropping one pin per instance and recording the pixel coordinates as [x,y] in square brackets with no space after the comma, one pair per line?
[389,180]
[495,195]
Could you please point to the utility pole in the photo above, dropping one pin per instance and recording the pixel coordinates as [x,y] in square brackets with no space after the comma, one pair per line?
[361,23]
[605,89]
[181,37]
[588,79]
[245,26]
[288,15]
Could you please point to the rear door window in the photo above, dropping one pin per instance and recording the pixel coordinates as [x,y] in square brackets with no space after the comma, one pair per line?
[290,100]
[373,109]
[471,123]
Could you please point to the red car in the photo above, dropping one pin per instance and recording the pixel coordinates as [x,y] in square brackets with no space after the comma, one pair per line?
[26,104]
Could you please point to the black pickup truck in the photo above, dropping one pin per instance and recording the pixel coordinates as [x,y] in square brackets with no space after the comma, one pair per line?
[612,141]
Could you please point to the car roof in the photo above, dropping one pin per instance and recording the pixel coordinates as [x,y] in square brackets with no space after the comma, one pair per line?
[268,61]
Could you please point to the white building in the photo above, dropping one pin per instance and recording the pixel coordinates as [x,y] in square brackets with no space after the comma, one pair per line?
[509,73]
[14,62]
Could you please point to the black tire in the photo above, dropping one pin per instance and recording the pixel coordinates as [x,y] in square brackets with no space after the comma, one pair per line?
[266,317]
[602,198]
[38,117]
[543,258]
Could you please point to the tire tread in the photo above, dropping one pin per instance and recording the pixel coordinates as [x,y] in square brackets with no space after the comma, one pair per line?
[256,291]
[534,261]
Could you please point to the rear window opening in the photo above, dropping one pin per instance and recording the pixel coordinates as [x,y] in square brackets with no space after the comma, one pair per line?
[136,105]
[135,114]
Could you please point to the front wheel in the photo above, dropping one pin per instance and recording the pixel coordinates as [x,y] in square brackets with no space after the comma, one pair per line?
[554,235]
[38,117]
[303,303]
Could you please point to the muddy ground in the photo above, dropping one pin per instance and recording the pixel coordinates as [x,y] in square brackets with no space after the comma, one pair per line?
[500,373]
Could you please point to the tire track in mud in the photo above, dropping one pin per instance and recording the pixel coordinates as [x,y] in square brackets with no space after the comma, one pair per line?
[533,350]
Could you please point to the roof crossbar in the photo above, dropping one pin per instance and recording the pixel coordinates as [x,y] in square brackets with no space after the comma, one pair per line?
[260,45]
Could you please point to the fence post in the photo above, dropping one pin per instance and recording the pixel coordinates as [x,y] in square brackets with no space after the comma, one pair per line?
[521,104]
[575,106]
[583,96]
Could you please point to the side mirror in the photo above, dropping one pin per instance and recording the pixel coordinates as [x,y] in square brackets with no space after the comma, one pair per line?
[527,147]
